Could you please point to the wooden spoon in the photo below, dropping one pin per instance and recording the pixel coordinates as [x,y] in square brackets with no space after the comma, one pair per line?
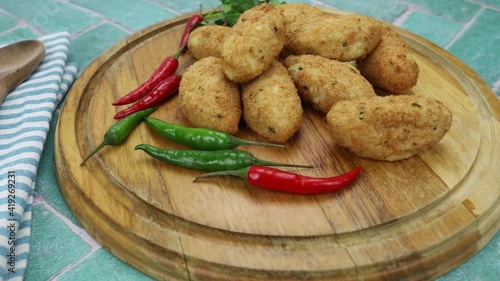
[17,62]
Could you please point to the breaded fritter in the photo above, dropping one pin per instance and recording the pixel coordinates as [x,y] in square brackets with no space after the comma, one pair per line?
[254,42]
[271,105]
[208,99]
[295,14]
[207,40]
[298,11]
[343,38]
[322,82]
[391,65]
[389,128]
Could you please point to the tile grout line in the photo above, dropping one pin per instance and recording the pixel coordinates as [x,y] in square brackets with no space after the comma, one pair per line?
[487,6]
[20,23]
[103,20]
[163,6]
[82,233]
[417,8]
[429,12]
[496,88]
[318,2]
[67,268]
[464,28]
[37,198]
[404,16]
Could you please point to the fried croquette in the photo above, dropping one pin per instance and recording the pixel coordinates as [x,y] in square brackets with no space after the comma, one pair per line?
[208,99]
[298,11]
[322,82]
[343,38]
[207,40]
[271,105]
[295,14]
[254,42]
[391,65]
[389,128]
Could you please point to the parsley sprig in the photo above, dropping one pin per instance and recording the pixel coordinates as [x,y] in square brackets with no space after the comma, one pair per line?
[229,11]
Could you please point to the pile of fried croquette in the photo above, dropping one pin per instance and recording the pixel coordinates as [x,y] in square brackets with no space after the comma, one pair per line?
[276,59]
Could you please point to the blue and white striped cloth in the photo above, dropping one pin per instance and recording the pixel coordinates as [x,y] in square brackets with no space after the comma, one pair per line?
[25,118]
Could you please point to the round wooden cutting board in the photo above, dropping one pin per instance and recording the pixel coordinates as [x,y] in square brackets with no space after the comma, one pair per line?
[411,219]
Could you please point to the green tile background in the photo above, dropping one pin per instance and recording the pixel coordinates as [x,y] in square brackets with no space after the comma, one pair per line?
[103,36]
[384,10]
[480,44]
[467,28]
[131,14]
[46,178]
[51,16]
[17,34]
[7,21]
[493,3]
[188,5]
[54,245]
[457,10]
[443,30]
[100,264]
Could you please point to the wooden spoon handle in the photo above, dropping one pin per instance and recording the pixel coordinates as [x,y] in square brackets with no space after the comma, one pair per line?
[17,62]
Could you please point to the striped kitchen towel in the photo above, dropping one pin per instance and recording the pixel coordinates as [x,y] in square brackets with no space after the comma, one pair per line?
[25,116]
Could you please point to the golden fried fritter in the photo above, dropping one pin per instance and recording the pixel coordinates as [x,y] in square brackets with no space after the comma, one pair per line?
[271,105]
[298,11]
[207,40]
[391,65]
[254,42]
[295,14]
[322,82]
[389,128]
[343,38]
[208,99]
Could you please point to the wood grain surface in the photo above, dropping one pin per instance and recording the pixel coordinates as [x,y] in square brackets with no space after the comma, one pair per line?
[413,219]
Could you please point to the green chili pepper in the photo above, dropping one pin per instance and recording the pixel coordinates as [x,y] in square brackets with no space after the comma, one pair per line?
[217,160]
[119,131]
[200,138]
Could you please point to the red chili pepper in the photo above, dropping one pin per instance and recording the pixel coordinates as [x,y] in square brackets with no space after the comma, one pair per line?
[277,180]
[191,23]
[166,69]
[163,90]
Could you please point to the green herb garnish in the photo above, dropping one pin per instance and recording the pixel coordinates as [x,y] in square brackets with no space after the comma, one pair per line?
[229,11]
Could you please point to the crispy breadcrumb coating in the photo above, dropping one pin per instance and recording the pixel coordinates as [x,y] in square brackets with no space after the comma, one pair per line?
[295,14]
[208,99]
[391,65]
[207,40]
[271,105]
[298,11]
[322,82]
[389,128]
[254,42]
[343,38]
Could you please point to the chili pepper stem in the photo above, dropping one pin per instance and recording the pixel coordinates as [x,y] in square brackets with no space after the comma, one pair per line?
[103,144]
[120,130]
[260,162]
[239,142]
[241,173]
[180,51]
